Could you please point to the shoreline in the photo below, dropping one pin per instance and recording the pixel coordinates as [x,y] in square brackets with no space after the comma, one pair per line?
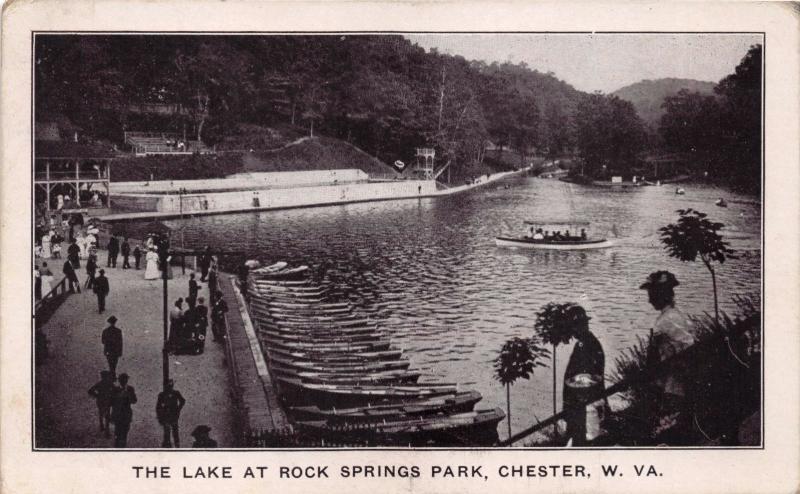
[143,215]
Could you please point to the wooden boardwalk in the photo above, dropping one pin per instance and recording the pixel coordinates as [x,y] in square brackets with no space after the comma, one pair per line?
[262,409]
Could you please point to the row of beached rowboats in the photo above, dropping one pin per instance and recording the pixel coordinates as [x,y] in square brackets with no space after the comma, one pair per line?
[339,375]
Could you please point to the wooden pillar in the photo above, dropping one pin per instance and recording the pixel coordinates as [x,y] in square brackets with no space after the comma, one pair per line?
[77,183]
[47,184]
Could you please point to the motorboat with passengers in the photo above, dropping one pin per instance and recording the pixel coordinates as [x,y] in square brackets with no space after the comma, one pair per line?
[555,235]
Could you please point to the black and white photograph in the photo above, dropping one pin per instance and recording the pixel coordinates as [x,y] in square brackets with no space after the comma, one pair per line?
[397,240]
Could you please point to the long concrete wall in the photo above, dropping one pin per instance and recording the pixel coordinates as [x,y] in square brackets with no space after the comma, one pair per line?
[275,198]
[243,181]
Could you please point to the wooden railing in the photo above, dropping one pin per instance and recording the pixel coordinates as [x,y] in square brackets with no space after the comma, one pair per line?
[50,301]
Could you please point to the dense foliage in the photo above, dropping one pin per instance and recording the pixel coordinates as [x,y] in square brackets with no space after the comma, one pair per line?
[721,134]
[386,96]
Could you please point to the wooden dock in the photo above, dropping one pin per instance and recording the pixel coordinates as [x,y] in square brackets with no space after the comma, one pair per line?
[261,409]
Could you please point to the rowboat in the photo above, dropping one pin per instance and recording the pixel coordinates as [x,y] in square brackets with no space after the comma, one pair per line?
[281,282]
[537,237]
[337,346]
[372,378]
[287,274]
[310,310]
[391,354]
[333,367]
[460,402]
[314,327]
[297,392]
[278,266]
[333,322]
[320,334]
[301,303]
[322,338]
[468,428]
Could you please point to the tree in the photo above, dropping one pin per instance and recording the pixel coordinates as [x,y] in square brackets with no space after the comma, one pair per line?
[517,359]
[693,236]
[609,134]
[553,326]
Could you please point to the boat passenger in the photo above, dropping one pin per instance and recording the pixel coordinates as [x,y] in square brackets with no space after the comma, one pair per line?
[538,235]
[547,234]
[567,236]
[583,233]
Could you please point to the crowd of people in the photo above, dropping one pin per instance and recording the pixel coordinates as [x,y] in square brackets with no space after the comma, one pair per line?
[539,234]
[114,395]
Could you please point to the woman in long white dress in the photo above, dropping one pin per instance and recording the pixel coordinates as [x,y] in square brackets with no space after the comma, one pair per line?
[83,244]
[47,279]
[151,268]
[46,245]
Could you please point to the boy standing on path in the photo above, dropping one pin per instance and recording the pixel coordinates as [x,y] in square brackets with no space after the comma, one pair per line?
[113,252]
[194,289]
[168,411]
[137,256]
[112,345]
[125,248]
[101,289]
[103,392]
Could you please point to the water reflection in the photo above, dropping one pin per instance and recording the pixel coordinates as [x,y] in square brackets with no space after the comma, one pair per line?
[431,272]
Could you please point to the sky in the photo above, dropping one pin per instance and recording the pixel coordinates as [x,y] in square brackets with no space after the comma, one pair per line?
[603,62]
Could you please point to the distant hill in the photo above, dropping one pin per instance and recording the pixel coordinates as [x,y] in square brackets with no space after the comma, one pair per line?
[648,95]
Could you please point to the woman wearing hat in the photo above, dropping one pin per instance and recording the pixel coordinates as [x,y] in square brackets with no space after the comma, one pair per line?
[672,333]
[583,380]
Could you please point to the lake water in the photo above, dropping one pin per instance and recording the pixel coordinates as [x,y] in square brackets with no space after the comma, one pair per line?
[450,297]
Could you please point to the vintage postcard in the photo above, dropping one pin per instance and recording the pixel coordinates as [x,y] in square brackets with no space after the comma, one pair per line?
[421,247]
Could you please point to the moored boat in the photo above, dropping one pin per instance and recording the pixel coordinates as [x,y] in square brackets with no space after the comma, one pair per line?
[389,377]
[330,346]
[296,392]
[391,354]
[472,428]
[459,402]
[333,367]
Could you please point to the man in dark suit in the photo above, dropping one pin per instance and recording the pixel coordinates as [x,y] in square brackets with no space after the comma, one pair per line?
[194,289]
[125,248]
[74,254]
[121,411]
[113,252]
[200,321]
[168,410]
[69,272]
[112,344]
[101,289]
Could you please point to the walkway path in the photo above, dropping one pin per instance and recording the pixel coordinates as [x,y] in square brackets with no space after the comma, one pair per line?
[145,215]
[66,417]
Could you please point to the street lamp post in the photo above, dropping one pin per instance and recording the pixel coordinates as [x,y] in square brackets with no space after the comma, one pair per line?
[163,255]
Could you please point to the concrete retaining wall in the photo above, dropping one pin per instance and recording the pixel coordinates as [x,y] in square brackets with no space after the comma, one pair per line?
[243,181]
[276,198]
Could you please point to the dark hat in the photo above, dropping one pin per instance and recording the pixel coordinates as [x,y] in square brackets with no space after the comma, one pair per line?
[201,430]
[112,319]
[576,314]
[661,279]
